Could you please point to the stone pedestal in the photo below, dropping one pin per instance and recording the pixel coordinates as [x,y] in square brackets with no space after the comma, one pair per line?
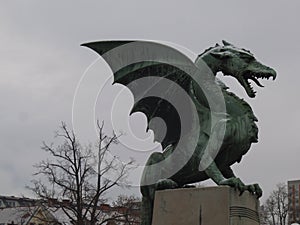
[205,206]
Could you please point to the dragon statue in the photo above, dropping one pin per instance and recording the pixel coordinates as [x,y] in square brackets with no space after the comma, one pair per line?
[235,129]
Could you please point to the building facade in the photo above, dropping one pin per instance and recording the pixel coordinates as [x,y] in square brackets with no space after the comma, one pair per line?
[294,201]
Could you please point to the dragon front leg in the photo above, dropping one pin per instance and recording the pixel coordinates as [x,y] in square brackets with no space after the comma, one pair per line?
[215,174]
[226,177]
[211,169]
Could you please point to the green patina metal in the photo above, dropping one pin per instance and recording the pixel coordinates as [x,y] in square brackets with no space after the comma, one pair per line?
[241,130]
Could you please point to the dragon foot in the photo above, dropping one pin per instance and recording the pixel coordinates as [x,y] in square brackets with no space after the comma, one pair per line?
[254,189]
[236,183]
[166,184]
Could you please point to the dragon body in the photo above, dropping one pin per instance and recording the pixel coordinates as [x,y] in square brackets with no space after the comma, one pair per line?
[238,123]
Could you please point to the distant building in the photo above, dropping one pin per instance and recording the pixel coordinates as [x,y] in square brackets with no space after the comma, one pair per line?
[12,201]
[25,211]
[294,201]
[33,215]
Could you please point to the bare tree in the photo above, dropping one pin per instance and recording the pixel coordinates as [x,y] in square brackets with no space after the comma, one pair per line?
[276,206]
[75,178]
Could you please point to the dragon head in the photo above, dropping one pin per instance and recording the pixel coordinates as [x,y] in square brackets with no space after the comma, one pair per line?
[238,63]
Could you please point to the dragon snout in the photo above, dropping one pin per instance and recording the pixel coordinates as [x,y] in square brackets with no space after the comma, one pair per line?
[266,72]
[254,72]
[273,73]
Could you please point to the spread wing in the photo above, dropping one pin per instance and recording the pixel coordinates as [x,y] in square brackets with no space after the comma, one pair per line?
[156,74]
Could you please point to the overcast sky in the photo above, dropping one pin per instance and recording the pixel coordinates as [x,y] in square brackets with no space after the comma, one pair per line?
[41,64]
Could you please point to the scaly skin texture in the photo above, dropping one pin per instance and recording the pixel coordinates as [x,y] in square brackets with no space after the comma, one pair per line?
[241,130]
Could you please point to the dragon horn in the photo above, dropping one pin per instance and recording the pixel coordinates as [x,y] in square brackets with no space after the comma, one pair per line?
[225,43]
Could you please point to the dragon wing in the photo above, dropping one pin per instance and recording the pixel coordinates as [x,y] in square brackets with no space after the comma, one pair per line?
[156,74]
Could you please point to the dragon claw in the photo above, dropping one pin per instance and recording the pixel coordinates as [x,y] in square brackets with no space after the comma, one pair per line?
[251,188]
[237,184]
[258,190]
[254,189]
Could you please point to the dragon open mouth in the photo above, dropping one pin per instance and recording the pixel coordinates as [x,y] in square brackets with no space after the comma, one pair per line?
[254,77]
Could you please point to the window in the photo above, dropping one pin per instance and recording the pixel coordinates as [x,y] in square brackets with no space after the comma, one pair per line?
[11,204]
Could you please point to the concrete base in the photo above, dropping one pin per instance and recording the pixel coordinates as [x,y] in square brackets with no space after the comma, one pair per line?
[205,206]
